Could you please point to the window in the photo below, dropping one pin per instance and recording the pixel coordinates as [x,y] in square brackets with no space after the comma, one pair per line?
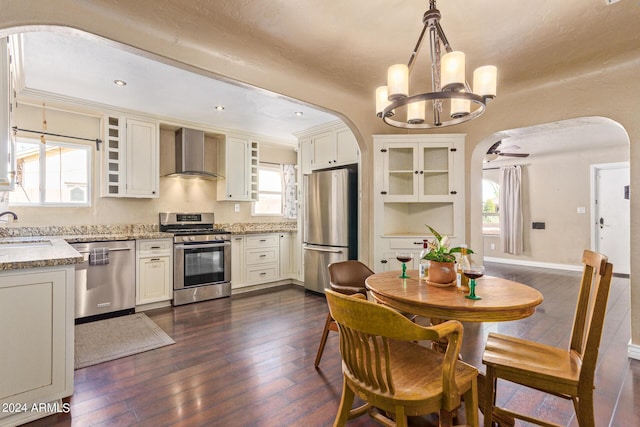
[269,190]
[54,173]
[490,207]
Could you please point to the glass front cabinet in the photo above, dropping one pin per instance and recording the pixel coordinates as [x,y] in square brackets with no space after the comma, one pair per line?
[420,181]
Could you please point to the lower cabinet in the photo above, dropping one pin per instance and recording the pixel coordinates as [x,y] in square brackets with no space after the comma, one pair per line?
[154,272]
[37,336]
[261,258]
[237,262]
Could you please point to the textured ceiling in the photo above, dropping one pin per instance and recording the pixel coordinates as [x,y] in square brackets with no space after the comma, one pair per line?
[349,44]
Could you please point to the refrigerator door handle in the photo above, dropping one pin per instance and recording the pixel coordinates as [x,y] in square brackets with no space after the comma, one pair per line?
[334,251]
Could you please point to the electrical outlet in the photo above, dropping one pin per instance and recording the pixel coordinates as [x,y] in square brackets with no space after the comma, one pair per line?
[492,246]
[236,207]
[581,210]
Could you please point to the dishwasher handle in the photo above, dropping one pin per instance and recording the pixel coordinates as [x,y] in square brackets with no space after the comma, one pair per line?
[110,250]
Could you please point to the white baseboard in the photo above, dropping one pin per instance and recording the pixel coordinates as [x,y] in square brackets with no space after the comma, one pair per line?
[528,263]
[633,351]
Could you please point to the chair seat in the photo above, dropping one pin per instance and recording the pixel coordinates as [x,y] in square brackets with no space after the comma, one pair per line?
[417,376]
[533,363]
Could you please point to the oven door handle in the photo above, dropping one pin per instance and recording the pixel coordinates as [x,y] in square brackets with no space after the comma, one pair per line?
[203,246]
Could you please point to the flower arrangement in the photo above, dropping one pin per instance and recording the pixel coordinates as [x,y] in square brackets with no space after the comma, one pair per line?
[439,250]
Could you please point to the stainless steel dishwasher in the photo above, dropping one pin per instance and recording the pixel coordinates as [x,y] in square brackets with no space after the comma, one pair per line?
[105,279]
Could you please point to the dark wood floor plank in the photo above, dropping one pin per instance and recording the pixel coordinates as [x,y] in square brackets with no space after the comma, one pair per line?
[248,361]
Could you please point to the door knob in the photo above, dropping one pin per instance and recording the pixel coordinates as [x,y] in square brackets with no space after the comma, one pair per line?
[601,222]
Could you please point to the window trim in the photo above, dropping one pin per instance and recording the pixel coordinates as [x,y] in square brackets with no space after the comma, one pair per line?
[43,174]
[276,167]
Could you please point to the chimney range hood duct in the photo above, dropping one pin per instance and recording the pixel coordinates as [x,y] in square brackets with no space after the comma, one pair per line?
[190,155]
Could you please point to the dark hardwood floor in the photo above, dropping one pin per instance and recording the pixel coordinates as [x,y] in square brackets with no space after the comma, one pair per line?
[248,361]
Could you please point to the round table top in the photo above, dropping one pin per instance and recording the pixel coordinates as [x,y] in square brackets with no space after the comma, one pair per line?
[502,299]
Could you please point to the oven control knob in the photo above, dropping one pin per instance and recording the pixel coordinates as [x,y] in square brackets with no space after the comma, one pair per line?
[185,238]
[192,238]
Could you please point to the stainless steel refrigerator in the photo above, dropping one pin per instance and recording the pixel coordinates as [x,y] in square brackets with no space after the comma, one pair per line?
[330,223]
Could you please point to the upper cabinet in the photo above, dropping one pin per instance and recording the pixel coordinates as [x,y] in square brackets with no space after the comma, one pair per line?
[6,105]
[327,146]
[238,164]
[419,171]
[130,158]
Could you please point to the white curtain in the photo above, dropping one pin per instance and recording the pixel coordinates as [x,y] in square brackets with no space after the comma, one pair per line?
[289,208]
[511,209]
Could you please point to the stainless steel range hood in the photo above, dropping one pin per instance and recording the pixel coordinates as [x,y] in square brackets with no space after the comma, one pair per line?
[190,155]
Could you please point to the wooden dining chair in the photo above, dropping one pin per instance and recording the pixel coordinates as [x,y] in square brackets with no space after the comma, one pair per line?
[384,365]
[346,277]
[568,373]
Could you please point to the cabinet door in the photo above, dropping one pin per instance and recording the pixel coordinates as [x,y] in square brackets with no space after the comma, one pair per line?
[400,172]
[306,156]
[142,161]
[286,264]
[238,265]
[435,171]
[36,332]
[324,150]
[155,280]
[239,159]
[346,147]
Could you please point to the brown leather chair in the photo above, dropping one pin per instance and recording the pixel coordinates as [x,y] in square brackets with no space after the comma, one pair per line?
[346,277]
[384,365]
[567,373]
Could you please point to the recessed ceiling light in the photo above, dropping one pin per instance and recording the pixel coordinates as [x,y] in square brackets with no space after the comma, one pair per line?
[219,107]
[120,82]
[298,113]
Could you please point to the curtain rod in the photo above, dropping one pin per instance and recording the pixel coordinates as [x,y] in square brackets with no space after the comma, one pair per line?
[491,169]
[97,140]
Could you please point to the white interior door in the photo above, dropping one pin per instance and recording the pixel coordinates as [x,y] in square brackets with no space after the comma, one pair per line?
[611,214]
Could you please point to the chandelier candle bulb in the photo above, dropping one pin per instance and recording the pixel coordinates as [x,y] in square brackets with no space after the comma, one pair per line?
[453,77]
[460,107]
[398,81]
[485,81]
[415,112]
[382,99]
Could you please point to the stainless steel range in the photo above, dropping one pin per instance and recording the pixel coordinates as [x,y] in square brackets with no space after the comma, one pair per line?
[202,257]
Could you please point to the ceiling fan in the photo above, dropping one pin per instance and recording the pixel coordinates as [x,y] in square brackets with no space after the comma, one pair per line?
[494,152]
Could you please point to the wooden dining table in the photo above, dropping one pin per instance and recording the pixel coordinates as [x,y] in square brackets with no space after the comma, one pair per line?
[501,300]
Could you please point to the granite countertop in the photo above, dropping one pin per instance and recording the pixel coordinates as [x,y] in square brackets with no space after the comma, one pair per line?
[31,252]
[29,247]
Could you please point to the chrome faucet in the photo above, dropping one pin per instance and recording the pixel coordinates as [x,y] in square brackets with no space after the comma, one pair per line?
[15,217]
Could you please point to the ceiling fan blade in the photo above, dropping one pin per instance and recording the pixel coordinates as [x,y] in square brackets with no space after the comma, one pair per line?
[494,148]
[514,154]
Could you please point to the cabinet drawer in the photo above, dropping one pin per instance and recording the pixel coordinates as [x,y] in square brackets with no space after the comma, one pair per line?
[261,274]
[261,256]
[407,243]
[154,247]
[262,240]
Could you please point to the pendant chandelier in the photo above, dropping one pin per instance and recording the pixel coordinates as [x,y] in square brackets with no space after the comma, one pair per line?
[451,100]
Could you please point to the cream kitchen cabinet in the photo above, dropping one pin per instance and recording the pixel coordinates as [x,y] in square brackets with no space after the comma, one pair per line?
[420,171]
[421,181]
[262,258]
[37,336]
[130,158]
[288,265]
[238,164]
[327,146]
[154,274]
[237,262]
